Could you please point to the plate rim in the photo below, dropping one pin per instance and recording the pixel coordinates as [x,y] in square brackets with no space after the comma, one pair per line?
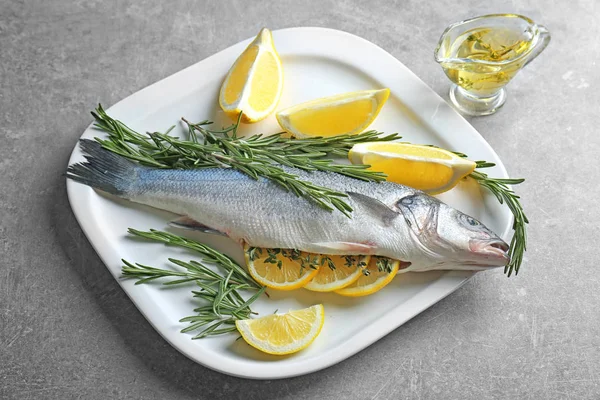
[447,283]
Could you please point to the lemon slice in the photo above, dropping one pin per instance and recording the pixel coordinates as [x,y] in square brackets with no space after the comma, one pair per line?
[281,269]
[346,270]
[344,114]
[426,168]
[254,83]
[283,333]
[375,281]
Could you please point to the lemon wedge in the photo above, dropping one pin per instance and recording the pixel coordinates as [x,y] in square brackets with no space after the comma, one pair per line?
[254,83]
[426,168]
[281,269]
[346,270]
[343,114]
[283,333]
[374,281]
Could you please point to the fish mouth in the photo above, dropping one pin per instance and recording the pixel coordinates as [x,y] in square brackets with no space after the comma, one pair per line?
[491,252]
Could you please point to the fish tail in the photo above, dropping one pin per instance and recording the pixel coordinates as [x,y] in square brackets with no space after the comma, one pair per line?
[103,169]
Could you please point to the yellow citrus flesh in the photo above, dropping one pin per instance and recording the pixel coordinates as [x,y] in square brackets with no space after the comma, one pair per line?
[283,333]
[375,281]
[343,114]
[254,83]
[426,168]
[264,90]
[282,273]
[345,272]
[238,76]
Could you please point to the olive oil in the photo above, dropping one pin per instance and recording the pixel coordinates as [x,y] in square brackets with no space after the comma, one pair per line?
[496,58]
[481,55]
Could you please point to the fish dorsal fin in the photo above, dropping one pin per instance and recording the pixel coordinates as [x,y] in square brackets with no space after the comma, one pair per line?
[377,208]
[186,222]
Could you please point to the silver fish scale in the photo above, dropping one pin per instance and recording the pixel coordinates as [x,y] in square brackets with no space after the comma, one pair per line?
[264,214]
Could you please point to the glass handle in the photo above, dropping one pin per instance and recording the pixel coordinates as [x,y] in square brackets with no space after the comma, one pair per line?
[544,39]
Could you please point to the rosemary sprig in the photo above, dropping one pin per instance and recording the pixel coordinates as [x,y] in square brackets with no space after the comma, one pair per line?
[220,291]
[305,154]
[208,253]
[499,188]
[256,156]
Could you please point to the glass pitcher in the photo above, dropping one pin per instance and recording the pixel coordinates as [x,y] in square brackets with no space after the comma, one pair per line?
[481,55]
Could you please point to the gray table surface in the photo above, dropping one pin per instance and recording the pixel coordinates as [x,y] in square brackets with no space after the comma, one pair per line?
[67,330]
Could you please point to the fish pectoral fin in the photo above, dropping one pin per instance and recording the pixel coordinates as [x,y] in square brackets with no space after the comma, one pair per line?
[375,207]
[186,222]
[341,247]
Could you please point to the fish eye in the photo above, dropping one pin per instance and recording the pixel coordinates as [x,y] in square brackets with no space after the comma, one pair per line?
[406,201]
[472,221]
[467,220]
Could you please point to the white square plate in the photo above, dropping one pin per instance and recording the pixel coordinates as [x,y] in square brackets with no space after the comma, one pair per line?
[317,62]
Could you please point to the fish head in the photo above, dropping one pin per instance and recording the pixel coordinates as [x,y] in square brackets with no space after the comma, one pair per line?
[449,238]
